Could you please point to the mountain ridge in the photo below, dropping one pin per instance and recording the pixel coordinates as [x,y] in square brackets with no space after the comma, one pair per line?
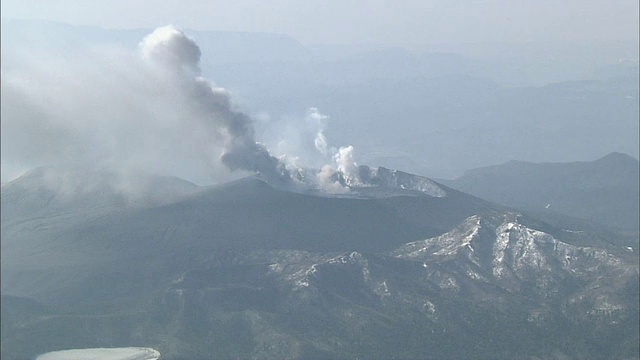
[247,270]
[604,191]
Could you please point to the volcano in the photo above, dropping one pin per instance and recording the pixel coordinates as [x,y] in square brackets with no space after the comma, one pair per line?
[400,266]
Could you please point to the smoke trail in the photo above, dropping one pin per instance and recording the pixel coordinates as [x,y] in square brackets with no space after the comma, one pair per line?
[320,141]
[152,111]
[172,49]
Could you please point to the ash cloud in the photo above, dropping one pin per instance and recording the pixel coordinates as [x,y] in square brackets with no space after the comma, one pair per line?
[147,110]
[132,115]
[172,49]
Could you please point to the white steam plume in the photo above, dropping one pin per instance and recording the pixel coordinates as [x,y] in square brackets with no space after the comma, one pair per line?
[320,140]
[346,164]
[342,171]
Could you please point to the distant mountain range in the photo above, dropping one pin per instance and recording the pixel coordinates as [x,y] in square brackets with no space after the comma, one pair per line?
[604,191]
[246,270]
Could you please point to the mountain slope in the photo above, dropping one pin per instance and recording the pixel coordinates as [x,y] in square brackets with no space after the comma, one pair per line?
[244,270]
[604,191]
[48,191]
[244,215]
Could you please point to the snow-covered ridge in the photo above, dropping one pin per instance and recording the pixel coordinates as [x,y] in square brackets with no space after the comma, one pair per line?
[515,249]
[501,250]
[362,181]
[445,245]
[394,179]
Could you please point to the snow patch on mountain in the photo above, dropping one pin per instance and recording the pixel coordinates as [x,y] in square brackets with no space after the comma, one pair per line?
[306,274]
[445,245]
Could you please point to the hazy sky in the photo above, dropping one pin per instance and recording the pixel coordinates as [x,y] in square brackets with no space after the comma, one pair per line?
[402,22]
